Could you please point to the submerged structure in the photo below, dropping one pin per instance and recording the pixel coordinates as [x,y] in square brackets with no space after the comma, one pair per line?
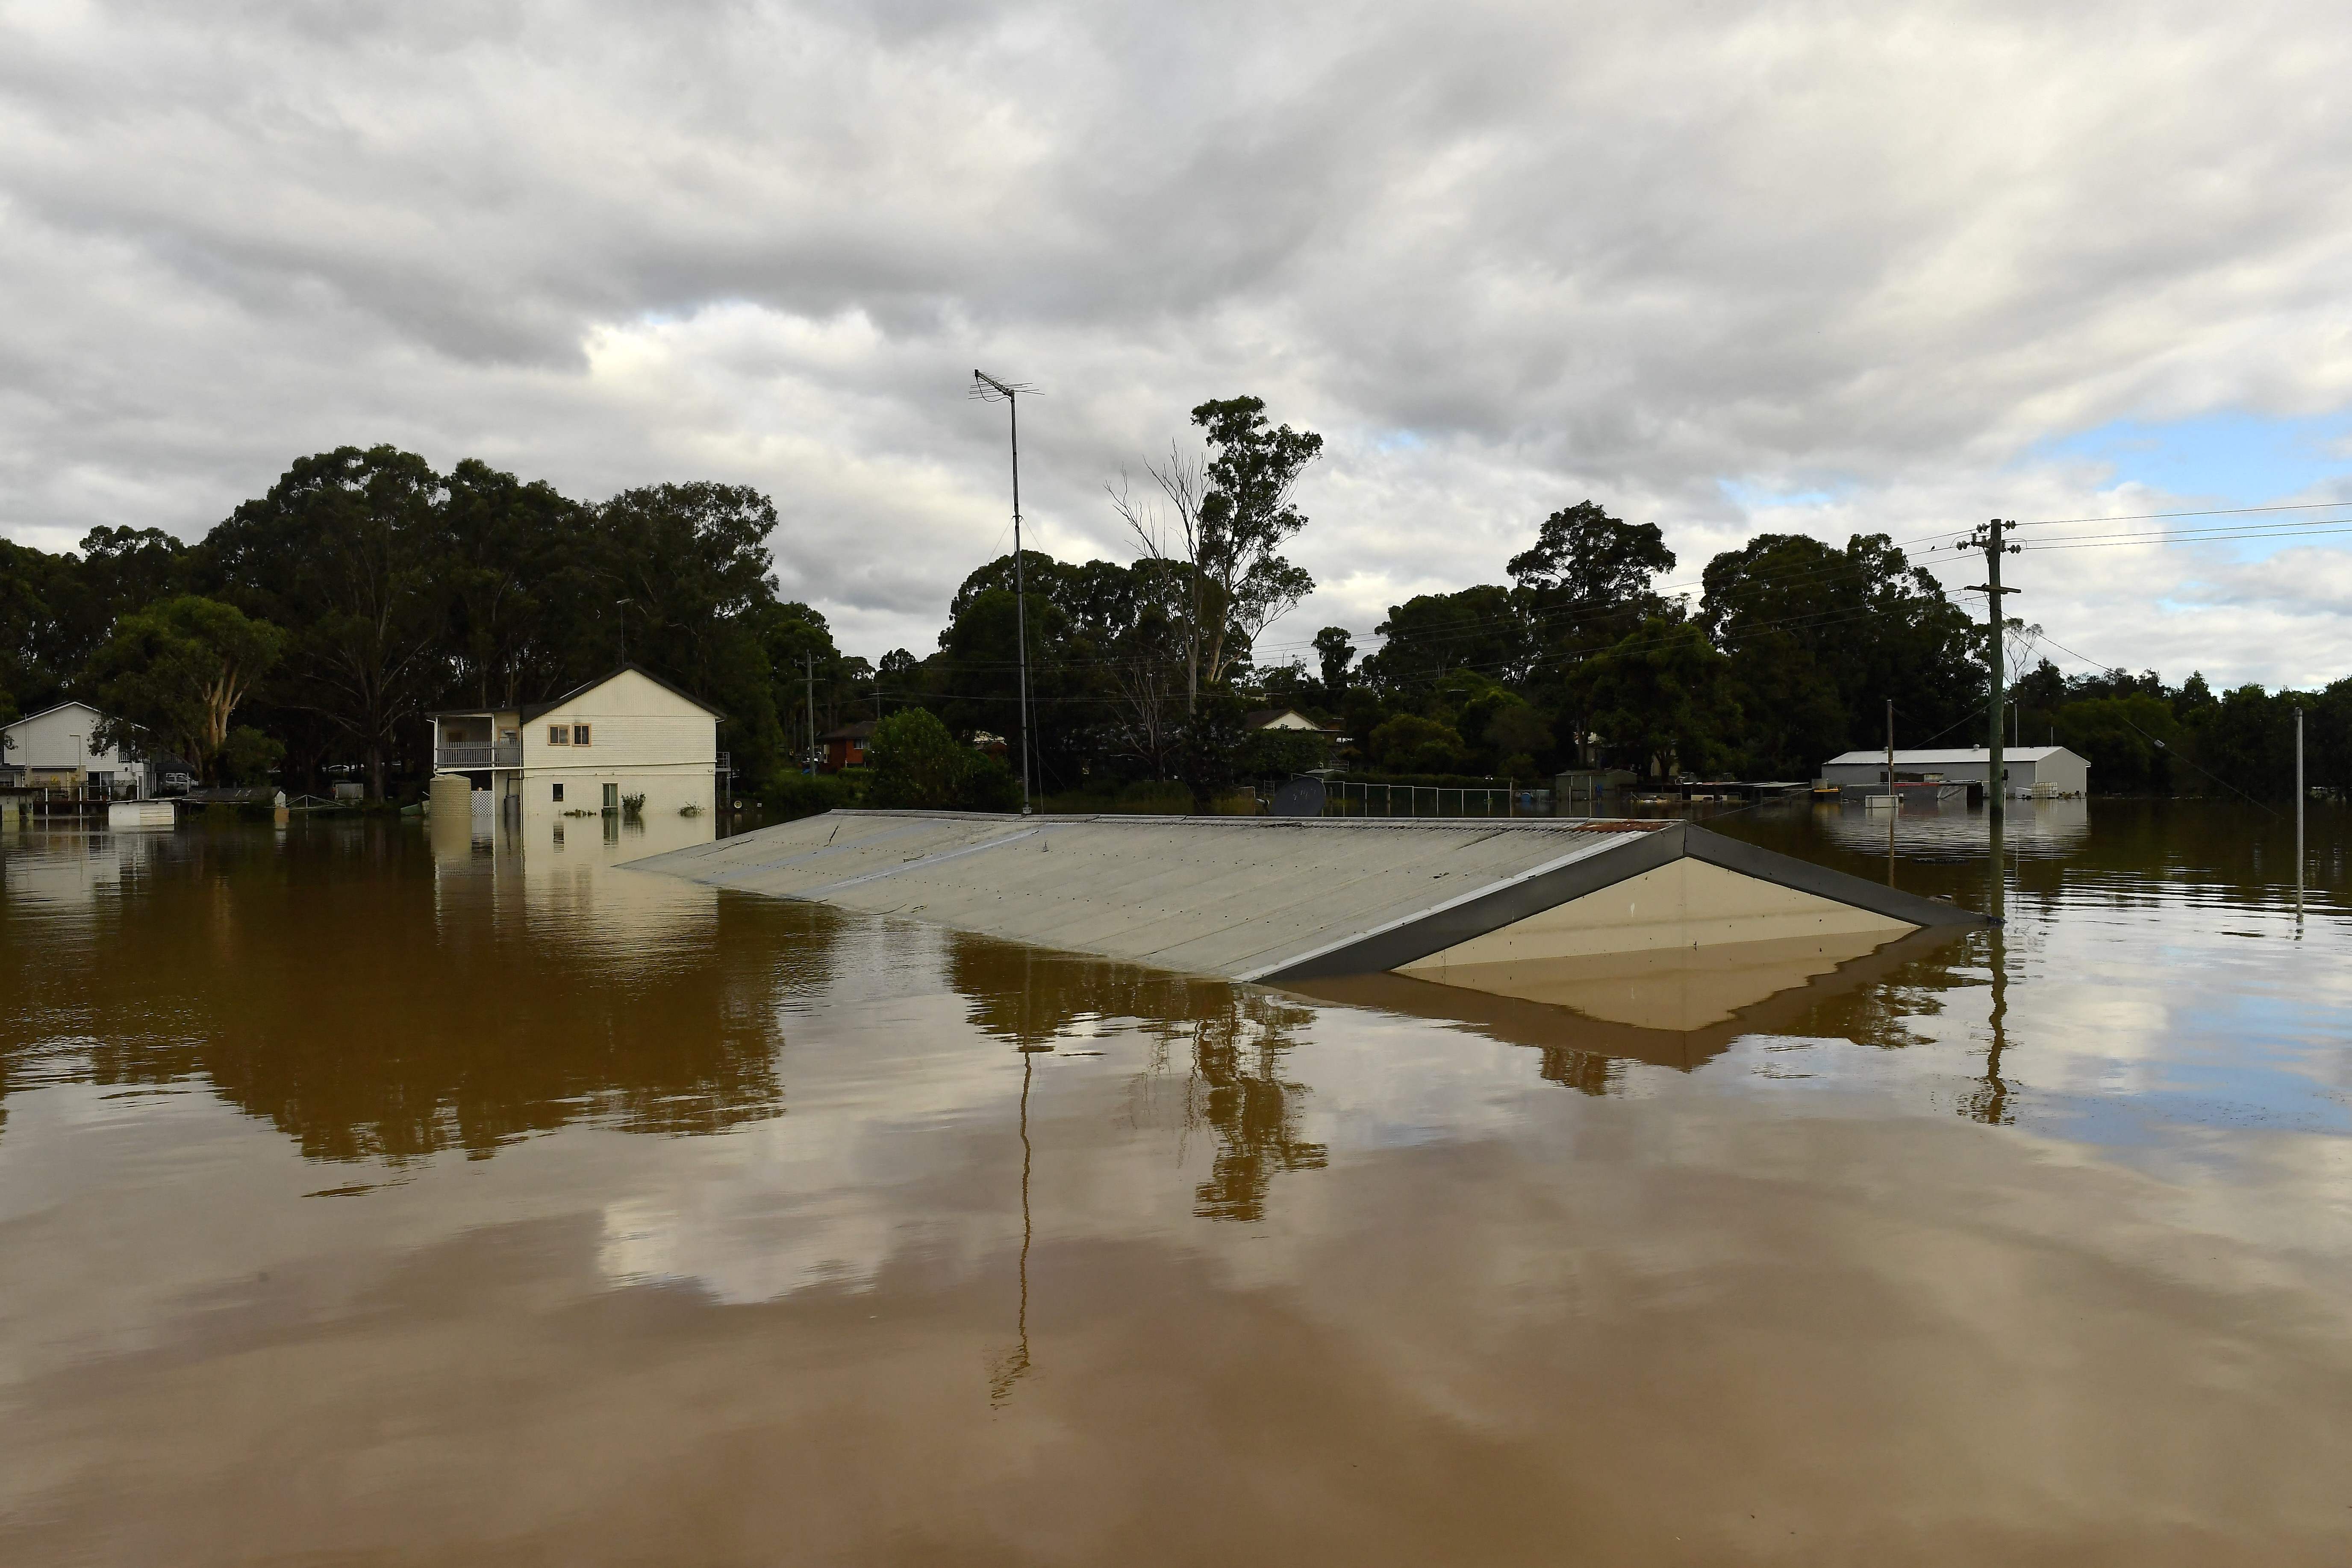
[1661,924]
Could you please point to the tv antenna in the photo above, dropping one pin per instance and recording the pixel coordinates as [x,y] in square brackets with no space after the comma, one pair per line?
[988,389]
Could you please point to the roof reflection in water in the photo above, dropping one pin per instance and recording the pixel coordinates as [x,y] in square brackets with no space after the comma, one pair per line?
[1676,989]
[1669,1010]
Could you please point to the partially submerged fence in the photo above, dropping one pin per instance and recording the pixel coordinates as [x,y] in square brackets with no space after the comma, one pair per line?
[1346,797]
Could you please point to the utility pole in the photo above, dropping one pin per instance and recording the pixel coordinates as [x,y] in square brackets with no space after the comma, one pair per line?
[811,656]
[2300,796]
[1991,540]
[988,389]
[1895,796]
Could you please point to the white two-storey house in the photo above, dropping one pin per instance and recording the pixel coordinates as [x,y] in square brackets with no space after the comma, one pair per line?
[596,748]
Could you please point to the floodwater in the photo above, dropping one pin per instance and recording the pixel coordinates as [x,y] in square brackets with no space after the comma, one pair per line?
[370,1200]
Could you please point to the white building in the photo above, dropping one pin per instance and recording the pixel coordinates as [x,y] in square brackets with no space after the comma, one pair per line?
[2031,770]
[1285,719]
[623,735]
[53,749]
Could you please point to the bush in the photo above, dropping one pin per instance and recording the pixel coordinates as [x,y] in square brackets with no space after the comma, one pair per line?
[1147,797]
[917,765]
[249,755]
[1409,743]
[1279,754]
[1518,732]
[1208,747]
[988,784]
[793,794]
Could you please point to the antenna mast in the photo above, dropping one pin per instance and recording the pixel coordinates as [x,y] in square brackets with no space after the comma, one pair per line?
[988,389]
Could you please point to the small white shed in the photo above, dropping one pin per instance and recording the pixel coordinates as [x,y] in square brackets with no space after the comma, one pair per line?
[2031,770]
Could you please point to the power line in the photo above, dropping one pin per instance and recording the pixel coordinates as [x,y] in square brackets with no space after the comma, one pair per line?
[2160,745]
[2217,511]
[2112,541]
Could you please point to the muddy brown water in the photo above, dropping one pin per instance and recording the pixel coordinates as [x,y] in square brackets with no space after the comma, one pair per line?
[370,1200]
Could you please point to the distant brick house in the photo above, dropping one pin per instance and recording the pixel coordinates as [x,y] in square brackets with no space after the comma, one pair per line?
[846,747]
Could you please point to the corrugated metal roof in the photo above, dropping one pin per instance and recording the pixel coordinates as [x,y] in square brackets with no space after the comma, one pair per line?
[1903,759]
[1242,897]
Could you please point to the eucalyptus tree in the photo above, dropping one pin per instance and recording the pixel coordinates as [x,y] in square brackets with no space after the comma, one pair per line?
[1230,509]
[513,571]
[171,677]
[344,551]
[1821,638]
[1587,581]
[682,579]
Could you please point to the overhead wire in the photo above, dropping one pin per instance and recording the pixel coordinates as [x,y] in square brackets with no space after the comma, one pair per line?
[2089,663]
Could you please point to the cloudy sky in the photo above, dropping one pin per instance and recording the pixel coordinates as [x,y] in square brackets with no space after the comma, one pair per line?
[1725,266]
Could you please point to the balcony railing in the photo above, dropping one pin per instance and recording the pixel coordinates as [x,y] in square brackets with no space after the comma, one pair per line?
[478,755]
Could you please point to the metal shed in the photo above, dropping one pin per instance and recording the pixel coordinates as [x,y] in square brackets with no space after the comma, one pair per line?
[1547,909]
[2045,770]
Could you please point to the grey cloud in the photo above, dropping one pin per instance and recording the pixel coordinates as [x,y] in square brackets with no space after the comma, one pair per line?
[1504,256]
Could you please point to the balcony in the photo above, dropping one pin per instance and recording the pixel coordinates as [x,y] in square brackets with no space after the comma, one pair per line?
[458,756]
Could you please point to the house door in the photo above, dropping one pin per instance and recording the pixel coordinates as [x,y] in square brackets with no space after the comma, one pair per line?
[611,798]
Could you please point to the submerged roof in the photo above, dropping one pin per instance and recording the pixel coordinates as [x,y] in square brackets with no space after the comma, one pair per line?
[1947,754]
[1267,899]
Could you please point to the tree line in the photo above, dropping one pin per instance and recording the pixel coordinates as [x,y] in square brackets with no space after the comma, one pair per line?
[317,625]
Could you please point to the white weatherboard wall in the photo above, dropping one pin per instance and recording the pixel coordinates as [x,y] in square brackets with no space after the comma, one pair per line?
[643,737]
[57,742]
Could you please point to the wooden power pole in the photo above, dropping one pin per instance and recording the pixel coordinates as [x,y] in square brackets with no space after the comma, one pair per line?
[1992,539]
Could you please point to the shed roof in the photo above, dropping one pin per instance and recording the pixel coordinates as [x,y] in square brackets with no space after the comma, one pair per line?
[1261,718]
[1272,898]
[1934,757]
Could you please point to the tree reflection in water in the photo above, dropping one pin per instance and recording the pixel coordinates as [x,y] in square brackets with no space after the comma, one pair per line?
[1586,1072]
[1234,1039]
[1237,1083]
[329,987]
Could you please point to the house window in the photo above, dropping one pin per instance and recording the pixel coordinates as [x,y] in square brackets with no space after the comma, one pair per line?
[579,734]
[559,794]
[611,798]
[559,734]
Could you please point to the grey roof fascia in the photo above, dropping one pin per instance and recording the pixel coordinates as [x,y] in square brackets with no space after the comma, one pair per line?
[1452,924]
[1456,922]
[1840,887]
